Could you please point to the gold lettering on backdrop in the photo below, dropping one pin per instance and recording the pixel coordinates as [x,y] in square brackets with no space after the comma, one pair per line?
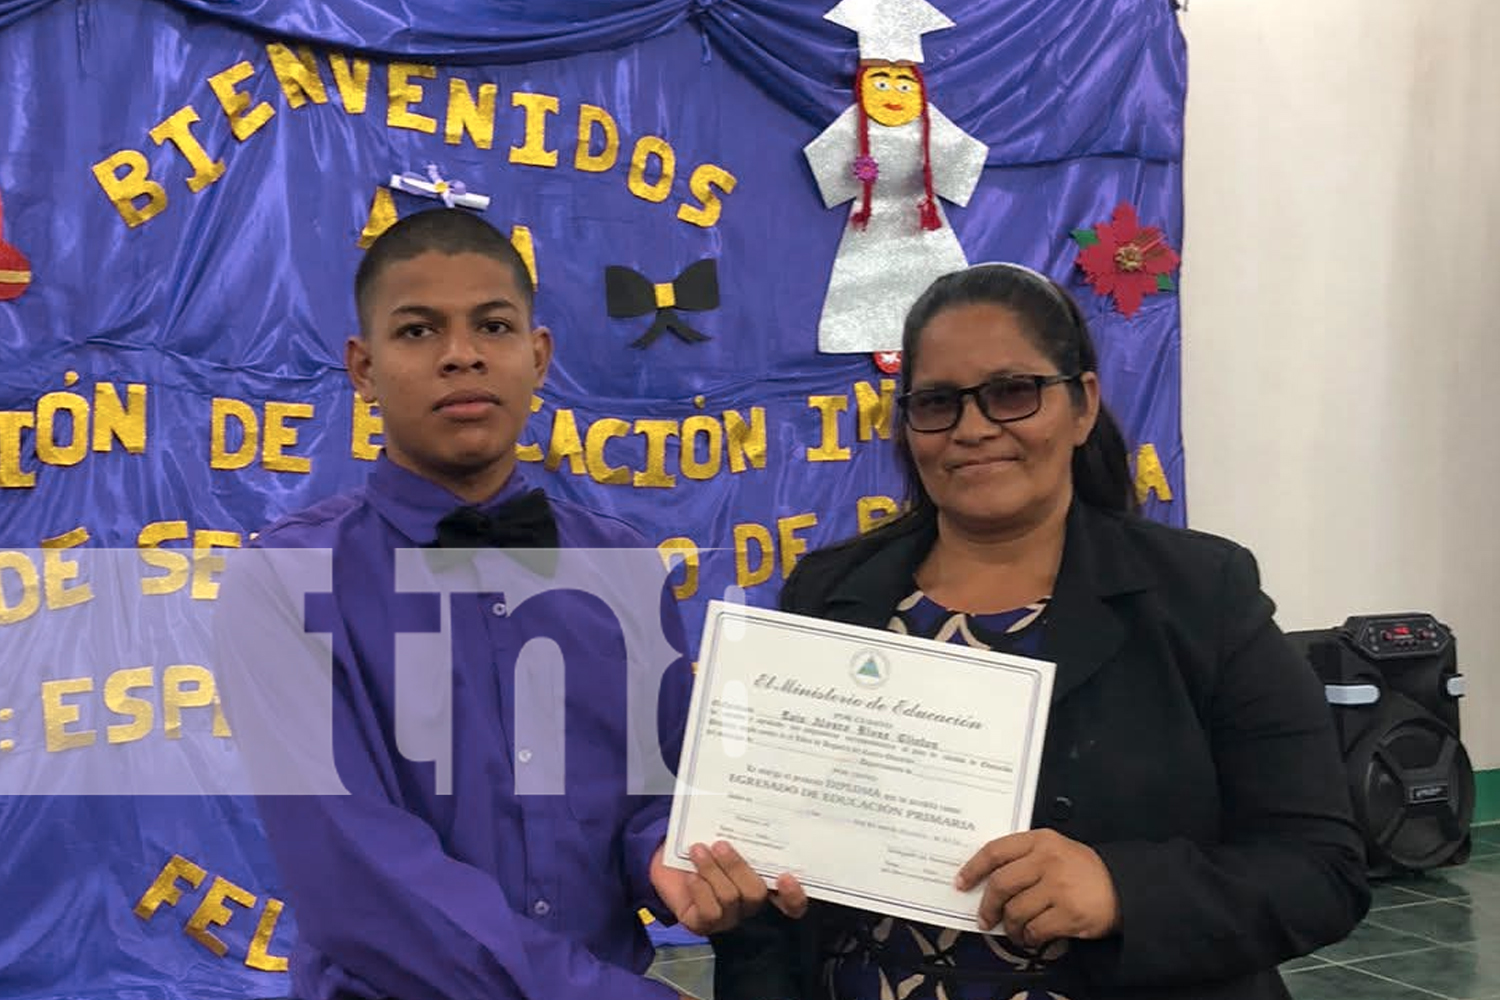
[297,72]
[58,569]
[206,565]
[704,444]
[533,152]
[259,954]
[466,114]
[520,238]
[212,912]
[585,159]
[29,601]
[243,120]
[657,433]
[198,565]
[57,715]
[67,426]
[470,111]
[63,420]
[647,148]
[367,426]
[684,551]
[705,179]
[49,450]
[566,444]
[49,587]
[279,437]
[403,92]
[176,695]
[175,564]
[875,410]
[1150,477]
[828,448]
[114,421]
[271,444]
[125,189]
[531,452]
[119,701]
[177,129]
[382,217]
[756,567]
[12,423]
[599,434]
[747,575]
[710,433]
[871,510]
[352,80]
[792,546]
[183,686]
[165,889]
[225,410]
[747,440]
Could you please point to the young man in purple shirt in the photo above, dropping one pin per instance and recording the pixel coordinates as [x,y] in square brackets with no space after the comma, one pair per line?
[399,889]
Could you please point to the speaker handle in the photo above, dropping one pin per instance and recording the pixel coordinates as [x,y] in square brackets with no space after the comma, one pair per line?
[1351,694]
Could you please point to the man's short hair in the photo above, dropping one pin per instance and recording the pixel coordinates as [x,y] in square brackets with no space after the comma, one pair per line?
[443,230]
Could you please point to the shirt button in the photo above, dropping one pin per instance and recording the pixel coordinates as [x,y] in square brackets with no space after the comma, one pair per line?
[541,907]
[498,609]
[524,756]
[1062,809]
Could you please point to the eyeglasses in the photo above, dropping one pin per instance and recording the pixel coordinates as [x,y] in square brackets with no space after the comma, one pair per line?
[1001,399]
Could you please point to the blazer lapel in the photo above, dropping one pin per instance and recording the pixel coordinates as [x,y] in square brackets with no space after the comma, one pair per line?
[870,591]
[1084,625]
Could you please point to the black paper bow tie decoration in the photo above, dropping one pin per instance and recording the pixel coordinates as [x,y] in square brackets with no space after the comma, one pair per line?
[525,522]
[630,294]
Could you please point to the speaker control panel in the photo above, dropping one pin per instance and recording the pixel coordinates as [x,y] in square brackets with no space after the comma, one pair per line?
[1385,637]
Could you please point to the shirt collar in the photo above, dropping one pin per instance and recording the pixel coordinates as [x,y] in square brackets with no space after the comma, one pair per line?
[413,505]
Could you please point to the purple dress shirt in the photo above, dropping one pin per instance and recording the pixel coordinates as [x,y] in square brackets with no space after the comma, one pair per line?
[482,894]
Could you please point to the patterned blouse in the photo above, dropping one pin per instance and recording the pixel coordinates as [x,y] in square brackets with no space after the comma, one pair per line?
[877,957]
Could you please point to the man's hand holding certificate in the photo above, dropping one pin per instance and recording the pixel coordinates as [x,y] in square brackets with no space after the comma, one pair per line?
[870,765]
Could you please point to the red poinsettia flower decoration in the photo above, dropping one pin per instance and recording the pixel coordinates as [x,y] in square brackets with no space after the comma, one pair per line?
[1125,260]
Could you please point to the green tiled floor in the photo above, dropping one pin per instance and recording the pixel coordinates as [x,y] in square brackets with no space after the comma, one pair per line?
[689,970]
[1432,936]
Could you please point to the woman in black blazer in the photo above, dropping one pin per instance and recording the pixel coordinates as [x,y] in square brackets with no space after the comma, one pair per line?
[1192,826]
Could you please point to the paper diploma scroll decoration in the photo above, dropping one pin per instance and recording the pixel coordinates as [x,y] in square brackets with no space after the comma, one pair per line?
[450,193]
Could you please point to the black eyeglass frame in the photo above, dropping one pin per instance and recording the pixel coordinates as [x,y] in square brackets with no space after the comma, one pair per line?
[1038,383]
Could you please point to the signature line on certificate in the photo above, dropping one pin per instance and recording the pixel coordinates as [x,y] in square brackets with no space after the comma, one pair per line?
[794,748]
[971,783]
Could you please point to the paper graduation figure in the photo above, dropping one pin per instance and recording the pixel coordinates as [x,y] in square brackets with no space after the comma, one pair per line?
[894,155]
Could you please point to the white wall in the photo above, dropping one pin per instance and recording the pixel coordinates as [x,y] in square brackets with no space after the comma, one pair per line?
[1341,310]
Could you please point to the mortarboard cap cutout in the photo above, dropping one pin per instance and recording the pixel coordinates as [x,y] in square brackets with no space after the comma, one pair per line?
[889,30]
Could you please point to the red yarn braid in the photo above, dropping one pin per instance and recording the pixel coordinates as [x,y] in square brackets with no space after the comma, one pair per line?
[861,217]
[927,208]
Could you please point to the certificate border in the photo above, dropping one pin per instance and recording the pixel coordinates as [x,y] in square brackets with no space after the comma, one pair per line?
[717,613]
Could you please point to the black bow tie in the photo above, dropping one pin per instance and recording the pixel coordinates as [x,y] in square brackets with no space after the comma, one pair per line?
[522,523]
[525,522]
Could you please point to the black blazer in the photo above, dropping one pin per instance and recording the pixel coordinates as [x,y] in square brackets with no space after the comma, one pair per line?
[1188,743]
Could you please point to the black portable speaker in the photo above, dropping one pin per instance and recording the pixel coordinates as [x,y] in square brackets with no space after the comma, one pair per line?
[1393,685]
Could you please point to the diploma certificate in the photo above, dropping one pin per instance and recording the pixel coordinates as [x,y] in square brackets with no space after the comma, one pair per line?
[869,764]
